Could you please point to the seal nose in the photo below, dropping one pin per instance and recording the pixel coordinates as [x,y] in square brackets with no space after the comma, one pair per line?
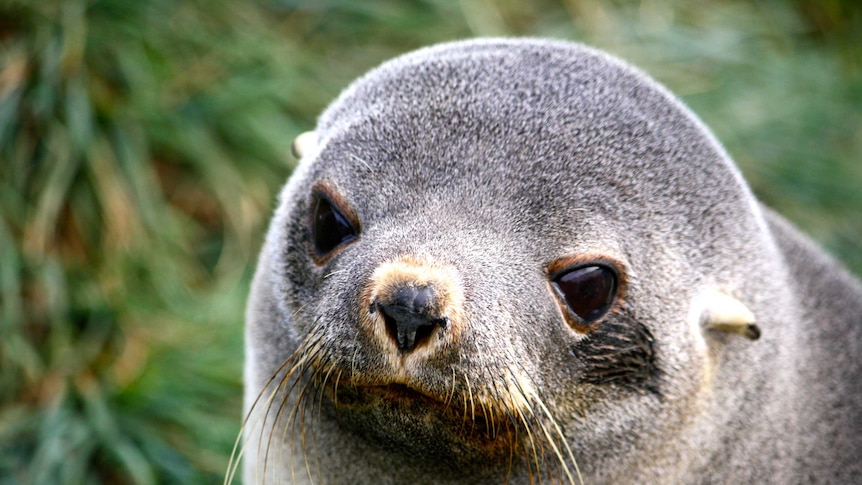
[410,314]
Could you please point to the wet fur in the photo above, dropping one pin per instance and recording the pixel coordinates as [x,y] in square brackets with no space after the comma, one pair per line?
[499,157]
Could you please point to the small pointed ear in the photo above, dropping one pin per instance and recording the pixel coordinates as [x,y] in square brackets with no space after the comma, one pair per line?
[304,144]
[725,313]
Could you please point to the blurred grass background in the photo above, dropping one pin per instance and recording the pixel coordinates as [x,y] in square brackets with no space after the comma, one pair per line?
[142,144]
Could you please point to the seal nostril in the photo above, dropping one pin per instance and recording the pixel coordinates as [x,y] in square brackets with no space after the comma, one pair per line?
[416,298]
[422,297]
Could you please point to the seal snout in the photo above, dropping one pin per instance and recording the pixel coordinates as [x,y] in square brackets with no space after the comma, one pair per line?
[410,314]
[413,303]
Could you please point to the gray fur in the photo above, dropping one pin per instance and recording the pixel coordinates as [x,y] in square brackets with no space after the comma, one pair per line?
[498,157]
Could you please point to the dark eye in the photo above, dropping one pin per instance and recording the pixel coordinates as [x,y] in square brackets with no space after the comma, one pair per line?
[588,291]
[329,227]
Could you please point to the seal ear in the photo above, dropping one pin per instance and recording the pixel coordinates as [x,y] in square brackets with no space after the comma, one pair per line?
[727,314]
[304,143]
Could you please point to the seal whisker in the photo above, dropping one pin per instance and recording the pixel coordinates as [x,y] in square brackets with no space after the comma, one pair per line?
[353,371]
[298,310]
[472,402]
[510,422]
[298,409]
[322,386]
[246,421]
[519,410]
[307,352]
[363,162]
[487,409]
[332,273]
[452,389]
[504,411]
[282,389]
[556,451]
[335,389]
[562,437]
[279,389]
[253,424]
[298,414]
[236,454]
[325,369]
[465,414]
[285,388]
[540,423]
[319,359]
[537,398]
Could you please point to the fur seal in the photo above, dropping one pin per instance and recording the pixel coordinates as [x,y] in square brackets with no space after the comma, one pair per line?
[522,261]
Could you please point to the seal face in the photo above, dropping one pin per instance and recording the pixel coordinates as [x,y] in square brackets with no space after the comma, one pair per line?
[519,261]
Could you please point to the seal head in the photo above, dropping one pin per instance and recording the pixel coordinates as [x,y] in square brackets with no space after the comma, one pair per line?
[522,260]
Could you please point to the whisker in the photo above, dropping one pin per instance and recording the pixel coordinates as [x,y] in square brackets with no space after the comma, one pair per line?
[565,442]
[321,388]
[279,389]
[472,402]
[236,456]
[363,162]
[532,442]
[298,361]
[335,272]
[302,367]
[452,391]
[311,360]
[335,389]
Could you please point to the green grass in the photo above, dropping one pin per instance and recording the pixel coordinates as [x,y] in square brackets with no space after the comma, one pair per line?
[142,145]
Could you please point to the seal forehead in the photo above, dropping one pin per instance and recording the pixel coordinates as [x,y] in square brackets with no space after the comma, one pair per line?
[477,106]
[501,80]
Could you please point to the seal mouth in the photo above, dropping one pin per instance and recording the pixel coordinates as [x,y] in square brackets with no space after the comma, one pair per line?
[393,393]
[465,429]
[399,391]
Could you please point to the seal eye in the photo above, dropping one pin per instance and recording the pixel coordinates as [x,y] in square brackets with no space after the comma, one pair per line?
[329,227]
[588,291]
